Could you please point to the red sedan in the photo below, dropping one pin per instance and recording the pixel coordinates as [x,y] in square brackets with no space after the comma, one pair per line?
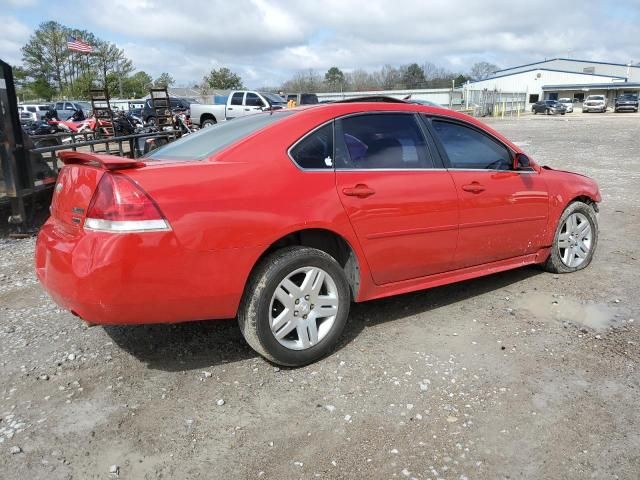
[282,219]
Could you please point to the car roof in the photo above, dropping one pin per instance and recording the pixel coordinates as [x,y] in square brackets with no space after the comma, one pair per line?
[323,112]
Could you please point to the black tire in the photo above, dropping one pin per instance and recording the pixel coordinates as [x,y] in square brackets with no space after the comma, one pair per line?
[562,113]
[151,121]
[208,122]
[554,263]
[254,315]
[547,111]
[535,112]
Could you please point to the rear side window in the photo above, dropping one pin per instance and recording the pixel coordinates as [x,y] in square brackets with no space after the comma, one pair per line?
[208,141]
[381,141]
[468,148]
[315,151]
[236,99]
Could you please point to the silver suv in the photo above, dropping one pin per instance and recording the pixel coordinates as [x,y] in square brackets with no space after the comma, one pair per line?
[33,112]
[595,103]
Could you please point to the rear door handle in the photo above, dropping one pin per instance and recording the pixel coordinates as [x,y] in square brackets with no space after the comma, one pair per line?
[473,187]
[360,191]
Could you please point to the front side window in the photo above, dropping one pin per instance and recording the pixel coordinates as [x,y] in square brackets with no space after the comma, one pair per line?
[467,148]
[381,141]
[315,151]
[253,100]
[236,99]
[59,106]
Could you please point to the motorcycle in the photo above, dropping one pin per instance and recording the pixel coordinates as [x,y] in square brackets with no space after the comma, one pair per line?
[78,123]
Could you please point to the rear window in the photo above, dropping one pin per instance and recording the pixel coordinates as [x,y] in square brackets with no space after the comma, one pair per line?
[206,142]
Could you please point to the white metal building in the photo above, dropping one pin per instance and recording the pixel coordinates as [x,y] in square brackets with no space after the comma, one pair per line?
[564,77]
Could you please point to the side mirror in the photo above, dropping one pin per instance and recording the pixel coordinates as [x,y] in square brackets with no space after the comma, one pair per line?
[521,162]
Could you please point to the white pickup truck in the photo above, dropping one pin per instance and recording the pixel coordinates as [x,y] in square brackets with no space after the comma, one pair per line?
[238,104]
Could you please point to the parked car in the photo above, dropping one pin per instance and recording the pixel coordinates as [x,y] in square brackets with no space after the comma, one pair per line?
[65,109]
[33,112]
[626,102]
[595,103]
[568,104]
[176,103]
[240,103]
[303,98]
[284,218]
[550,107]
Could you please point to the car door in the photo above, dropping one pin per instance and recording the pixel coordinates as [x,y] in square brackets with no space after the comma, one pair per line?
[503,212]
[236,105]
[252,104]
[401,203]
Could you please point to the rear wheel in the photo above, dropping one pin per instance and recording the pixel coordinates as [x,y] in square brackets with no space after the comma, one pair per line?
[575,240]
[208,122]
[295,306]
[547,111]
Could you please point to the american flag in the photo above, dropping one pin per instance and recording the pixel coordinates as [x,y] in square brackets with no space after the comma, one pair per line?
[77,45]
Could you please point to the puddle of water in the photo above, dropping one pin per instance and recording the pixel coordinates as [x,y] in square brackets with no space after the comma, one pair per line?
[597,316]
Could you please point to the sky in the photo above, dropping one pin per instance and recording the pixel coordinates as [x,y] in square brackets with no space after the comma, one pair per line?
[268,41]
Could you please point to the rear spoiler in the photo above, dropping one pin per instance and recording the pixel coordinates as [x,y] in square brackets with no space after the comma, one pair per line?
[108,162]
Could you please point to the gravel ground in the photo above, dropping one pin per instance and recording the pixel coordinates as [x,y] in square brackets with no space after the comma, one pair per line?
[522,374]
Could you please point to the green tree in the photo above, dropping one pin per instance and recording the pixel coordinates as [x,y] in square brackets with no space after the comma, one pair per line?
[113,66]
[164,81]
[413,76]
[137,85]
[460,80]
[334,78]
[223,79]
[45,54]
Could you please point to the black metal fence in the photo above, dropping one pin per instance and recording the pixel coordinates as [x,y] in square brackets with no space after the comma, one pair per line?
[29,165]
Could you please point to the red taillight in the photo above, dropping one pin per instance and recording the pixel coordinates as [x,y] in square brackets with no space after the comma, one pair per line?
[119,205]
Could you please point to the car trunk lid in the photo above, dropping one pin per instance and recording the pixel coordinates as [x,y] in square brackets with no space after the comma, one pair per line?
[77,183]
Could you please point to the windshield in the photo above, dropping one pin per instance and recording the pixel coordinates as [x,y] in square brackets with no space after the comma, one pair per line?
[565,100]
[272,98]
[210,140]
[627,97]
[595,97]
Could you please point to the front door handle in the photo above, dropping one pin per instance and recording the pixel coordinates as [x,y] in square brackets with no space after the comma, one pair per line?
[473,187]
[360,191]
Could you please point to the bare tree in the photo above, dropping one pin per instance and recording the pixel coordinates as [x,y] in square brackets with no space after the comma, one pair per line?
[482,70]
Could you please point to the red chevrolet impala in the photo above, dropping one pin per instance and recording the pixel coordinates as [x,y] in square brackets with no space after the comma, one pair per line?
[282,219]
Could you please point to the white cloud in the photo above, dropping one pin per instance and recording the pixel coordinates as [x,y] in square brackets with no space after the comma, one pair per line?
[14,36]
[266,41]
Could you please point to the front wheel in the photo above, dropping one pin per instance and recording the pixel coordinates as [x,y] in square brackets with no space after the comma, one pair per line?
[295,306]
[575,240]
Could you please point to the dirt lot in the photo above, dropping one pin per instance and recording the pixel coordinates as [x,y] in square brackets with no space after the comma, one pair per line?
[518,375]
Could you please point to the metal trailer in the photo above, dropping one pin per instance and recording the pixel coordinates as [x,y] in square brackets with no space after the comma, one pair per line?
[29,165]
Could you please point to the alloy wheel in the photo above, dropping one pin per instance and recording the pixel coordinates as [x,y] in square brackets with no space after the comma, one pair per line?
[303,308]
[575,240]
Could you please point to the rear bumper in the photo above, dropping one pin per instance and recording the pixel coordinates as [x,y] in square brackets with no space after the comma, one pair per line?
[107,278]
